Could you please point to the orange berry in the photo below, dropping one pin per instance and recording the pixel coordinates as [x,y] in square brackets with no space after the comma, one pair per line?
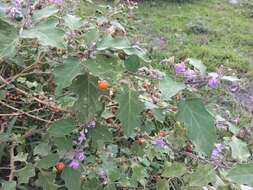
[60,166]
[103,85]
[140,141]
[163,133]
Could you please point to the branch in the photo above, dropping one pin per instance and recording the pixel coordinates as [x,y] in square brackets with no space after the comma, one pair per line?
[48,104]
[25,113]
[12,162]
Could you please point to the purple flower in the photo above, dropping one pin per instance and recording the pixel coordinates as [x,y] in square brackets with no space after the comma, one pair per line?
[190,74]
[216,153]
[58,2]
[160,142]
[80,156]
[213,82]
[180,68]
[82,137]
[74,164]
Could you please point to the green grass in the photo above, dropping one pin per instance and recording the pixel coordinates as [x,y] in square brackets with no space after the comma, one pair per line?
[227,37]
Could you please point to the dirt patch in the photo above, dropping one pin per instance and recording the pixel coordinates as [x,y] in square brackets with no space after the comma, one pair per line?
[245,97]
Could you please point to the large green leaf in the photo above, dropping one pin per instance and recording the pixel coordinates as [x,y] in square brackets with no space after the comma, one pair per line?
[62,127]
[71,178]
[48,161]
[87,104]
[100,135]
[132,63]
[199,124]
[46,180]
[8,185]
[170,88]
[47,33]
[66,72]
[139,173]
[162,184]
[8,39]
[113,43]
[44,13]
[203,175]
[25,173]
[129,111]
[105,68]
[241,173]
[73,22]
[175,169]
[239,149]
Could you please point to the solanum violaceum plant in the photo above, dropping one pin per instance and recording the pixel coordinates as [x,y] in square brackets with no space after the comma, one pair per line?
[82,109]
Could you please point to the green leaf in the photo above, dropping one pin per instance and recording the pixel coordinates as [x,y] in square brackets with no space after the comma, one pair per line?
[92,184]
[25,173]
[72,22]
[242,174]
[63,144]
[132,63]
[8,185]
[65,73]
[44,13]
[48,161]
[170,88]
[62,127]
[139,173]
[47,33]
[239,149]
[46,180]
[113,43]
[71,178]
[8,39]
[198,64]
[91,36]
[100,136]
[129,111]
[42,149]
[175,169]
[105,68]
[162,184]
[203,175]
[137,51]
[199,124]
[87,104]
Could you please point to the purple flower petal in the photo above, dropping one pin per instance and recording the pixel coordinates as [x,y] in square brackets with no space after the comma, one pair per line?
[160,142]
[190,74]
[180,68]
[74,164]
[80,156]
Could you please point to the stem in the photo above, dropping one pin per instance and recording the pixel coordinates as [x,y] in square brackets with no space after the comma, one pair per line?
[12,162]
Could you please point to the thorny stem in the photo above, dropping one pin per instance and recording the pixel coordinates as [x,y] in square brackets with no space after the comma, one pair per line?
[25,113]
[12,162]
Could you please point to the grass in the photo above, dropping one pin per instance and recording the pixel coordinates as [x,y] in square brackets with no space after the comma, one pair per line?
[210,30]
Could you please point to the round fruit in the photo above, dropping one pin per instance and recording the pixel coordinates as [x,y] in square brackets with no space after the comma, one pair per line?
[140,141]
[103,85]
[60,166]
[163,133]
[189,148]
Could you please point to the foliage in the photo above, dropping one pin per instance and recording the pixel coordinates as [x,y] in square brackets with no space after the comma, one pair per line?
[147,130]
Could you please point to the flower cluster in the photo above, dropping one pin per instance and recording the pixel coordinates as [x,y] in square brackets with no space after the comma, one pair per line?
[216,153]
[15,10]
[79,155]
[213,79]
[57,2]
